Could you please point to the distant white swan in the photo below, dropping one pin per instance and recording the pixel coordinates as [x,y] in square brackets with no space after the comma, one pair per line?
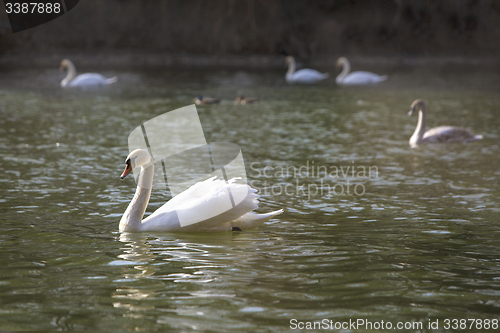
[356,78]
[440,134]
[302,75]
[82,80]
[199,201]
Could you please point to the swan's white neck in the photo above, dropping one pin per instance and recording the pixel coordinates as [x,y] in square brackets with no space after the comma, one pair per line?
[291,68]
[132,218]
[71,74]
[346,67]
[417,136]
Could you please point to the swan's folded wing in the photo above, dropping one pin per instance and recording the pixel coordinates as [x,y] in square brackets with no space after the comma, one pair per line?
[88,79]
[307,75]
[362,77]
[448,134]
[208,204]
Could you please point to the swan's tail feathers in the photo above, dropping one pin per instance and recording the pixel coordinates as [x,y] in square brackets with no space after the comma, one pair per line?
[252,220]
[111,80]
[325,76]
[383,78]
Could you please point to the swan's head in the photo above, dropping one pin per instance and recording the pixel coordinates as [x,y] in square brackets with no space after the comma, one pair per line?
[64,64]
[137,158]
[416,106]
[342,61]
[289,60]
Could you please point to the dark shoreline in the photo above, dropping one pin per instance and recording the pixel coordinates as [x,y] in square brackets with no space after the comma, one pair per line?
[259,34]
[138,60]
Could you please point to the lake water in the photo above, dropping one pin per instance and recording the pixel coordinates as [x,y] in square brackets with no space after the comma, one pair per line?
[415,240]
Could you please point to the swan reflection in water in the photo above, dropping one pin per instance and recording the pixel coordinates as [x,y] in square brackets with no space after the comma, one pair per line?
[137,262]
[154,266]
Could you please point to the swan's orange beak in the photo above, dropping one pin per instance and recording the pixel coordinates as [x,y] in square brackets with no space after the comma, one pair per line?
[127,170]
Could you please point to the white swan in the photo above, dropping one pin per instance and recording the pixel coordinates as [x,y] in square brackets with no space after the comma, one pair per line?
[199,200]
[82,80]
[302,75]
[440,134]
[356,78]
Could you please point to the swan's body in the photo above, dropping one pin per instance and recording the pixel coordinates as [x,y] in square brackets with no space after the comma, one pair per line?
[196,202]
[200,100]
[440,134]
[82,80]
[302,75]
[356,78]
[246,100]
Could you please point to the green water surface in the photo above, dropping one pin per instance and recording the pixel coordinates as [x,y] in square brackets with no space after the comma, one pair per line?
[419,244]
